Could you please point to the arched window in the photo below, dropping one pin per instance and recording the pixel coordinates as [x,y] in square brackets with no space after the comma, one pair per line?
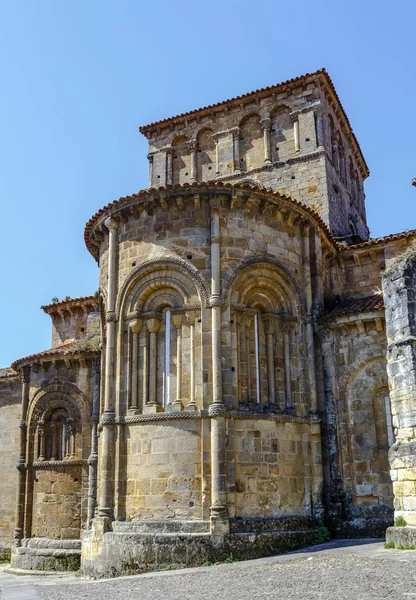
[282,142]
[56,436]
[181,164]
[251,143]
[206,155]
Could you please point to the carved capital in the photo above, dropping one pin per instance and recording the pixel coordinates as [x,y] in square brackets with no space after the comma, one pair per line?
[110,317]
[192,146]
[266,123]
[25,375]
[235,133]
[135,325]
[153,325]
[269,325]
[177,320]
[111,223]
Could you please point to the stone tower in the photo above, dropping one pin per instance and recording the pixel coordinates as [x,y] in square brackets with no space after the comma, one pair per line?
[294,138]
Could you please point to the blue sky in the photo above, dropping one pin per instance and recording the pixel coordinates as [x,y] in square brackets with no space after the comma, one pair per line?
[78,78]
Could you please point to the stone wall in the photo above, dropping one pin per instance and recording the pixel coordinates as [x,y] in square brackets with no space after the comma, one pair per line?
[357,428]
[10,414]
[165,475]
[269,468]
[399,284]
[57,494]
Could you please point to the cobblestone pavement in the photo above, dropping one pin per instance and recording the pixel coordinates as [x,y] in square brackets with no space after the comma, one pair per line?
[340,570]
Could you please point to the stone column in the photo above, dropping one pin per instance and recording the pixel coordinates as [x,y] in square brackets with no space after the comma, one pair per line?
[169,165]
[236,149]
[296,134]
[135,327]
[192,400]
[42,440]
[71,435]
[267,127]
[192,147]
[152,406]
[309,335]
[270,329]
[248,321]
[108,417]
[21,461]
[399,284]
[288,376]
[177,404]
[93,457]
[217,154]
[150,158]
[54,440]
[217,410]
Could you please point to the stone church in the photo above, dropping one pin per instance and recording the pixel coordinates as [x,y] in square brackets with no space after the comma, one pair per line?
[247,368]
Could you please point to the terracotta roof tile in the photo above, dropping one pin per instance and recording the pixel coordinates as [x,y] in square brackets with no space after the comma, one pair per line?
[7,373]
[410,233]
[71,349]
[71,303]
[353,306]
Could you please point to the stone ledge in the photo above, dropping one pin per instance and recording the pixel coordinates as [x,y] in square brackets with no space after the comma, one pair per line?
[402,536]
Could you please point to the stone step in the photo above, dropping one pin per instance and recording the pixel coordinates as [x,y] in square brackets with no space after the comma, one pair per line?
[143,526]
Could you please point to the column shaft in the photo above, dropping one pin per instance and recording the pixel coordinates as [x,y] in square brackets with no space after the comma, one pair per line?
[309,335]
[236,151]
[21,477]
[288,378]
[270,368]
[169,167]
[107,436]
[296,134]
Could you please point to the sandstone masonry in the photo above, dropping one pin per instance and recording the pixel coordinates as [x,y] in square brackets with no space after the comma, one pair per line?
[227,389]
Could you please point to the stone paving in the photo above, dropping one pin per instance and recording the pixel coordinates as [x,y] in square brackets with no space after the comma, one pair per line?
[338,570]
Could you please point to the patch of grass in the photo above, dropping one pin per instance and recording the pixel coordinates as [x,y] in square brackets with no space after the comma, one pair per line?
[229,559]
[411,547]
[207,563]
[389,545]
[400,522]
[401,547]
[171,568]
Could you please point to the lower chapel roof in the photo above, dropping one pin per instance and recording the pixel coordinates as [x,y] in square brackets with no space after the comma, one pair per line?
[66,351]
[355,306]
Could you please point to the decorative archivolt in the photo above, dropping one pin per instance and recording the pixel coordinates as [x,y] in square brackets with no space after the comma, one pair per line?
[244,281]
[50,401]
[65,389]
[358,367]
[183,279]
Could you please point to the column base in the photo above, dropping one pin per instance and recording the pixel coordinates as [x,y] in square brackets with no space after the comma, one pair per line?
[152,408]
[220,523]
[132,411]
[191,407]
[175,406]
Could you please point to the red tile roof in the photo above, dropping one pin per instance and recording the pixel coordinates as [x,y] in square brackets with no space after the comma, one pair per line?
[7,373]
[353,306]
[66,350]
[217,107]
[410,233]
[71,303]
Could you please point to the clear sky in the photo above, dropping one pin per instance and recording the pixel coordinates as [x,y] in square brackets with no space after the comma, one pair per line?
[78,78]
